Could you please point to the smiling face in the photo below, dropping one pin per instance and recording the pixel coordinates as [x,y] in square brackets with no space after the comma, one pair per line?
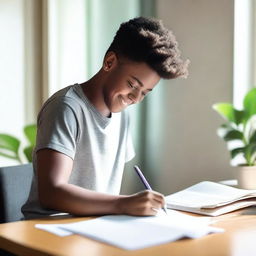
[126,82]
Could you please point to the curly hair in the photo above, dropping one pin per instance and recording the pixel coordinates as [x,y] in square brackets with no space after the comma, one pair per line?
[146,40]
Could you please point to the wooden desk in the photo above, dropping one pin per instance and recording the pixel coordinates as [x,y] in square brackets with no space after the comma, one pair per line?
[23,239]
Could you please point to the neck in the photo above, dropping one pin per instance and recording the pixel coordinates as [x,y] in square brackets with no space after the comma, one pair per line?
[94,92]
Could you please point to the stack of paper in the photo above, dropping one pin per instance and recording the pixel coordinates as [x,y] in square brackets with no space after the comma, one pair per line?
[132,233]
[211,198]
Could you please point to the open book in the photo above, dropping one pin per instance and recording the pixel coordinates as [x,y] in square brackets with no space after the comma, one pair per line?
[210,198]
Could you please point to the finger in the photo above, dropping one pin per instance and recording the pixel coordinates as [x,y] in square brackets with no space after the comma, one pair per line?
[152,211]
[155,210]
[149,207]
[157,205]
[153,194]
[161,203]
[158,196]
[156,199]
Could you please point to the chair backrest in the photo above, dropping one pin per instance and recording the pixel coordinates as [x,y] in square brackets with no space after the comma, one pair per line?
[15,182]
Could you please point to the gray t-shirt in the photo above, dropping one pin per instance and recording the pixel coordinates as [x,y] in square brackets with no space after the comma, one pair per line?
[99,146]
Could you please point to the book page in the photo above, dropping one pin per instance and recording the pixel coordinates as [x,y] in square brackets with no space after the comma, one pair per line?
[228,208]
[208,194]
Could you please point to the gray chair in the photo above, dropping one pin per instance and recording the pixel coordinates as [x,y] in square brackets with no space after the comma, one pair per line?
[15,182]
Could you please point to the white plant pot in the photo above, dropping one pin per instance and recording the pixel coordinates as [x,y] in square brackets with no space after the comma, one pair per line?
[246,177]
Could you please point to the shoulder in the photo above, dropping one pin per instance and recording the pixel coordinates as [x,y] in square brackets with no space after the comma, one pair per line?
[66,98]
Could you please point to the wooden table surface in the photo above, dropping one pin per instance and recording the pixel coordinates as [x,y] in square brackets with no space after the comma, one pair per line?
[239,239]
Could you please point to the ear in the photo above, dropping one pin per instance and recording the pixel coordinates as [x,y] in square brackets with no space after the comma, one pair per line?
[110,61]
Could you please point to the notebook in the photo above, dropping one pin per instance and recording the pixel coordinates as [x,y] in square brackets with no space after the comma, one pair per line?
[211,198]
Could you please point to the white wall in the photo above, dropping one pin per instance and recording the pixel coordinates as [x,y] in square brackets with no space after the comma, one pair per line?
[183,147]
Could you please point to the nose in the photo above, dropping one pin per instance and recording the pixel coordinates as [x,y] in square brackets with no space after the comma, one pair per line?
[134,97]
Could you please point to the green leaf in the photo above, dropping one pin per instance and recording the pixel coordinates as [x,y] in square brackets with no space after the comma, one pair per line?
[250,103]
[239,116]
[253,138]
[30,132]
[228,112]
[9,156]
[237,151]
[223,130]
[233,135]
[28,153]
[250,150]
[9,142]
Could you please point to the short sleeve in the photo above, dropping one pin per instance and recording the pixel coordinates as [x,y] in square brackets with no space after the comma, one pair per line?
[58,127]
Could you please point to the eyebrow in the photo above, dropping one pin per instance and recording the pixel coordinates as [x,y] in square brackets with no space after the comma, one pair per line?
[139,82]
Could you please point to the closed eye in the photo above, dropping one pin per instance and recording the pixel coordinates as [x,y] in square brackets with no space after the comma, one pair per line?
[131,85]
[134,87]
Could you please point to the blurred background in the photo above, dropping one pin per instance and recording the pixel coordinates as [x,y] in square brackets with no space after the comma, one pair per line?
[46,45]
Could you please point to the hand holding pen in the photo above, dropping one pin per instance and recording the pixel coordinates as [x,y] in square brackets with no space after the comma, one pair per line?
[143,203]
[146,184]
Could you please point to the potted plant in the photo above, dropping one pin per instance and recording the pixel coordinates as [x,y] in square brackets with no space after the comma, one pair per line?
[239,131]
[10,146]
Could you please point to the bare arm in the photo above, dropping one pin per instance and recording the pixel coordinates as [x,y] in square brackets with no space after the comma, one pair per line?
[54,170]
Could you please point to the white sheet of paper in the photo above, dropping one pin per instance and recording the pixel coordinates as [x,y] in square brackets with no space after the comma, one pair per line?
[131,233]
[54,229]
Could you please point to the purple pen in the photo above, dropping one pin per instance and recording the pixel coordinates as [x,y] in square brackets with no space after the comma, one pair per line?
[145,182]
[142,178]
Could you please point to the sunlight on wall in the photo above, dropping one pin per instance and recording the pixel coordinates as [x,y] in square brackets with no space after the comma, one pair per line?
[66,56]
[104,20]
[243,50]
[12,70]
[78,34]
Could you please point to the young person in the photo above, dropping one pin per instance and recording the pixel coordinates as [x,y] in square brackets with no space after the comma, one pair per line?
[83,139]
